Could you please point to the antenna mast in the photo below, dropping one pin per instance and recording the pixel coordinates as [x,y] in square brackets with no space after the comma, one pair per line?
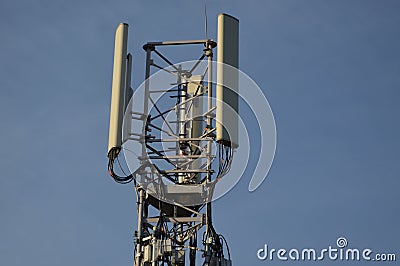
[185,146]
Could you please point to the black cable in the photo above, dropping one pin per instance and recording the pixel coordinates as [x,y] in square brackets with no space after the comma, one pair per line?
[120,166]
[227,246]
[113,154]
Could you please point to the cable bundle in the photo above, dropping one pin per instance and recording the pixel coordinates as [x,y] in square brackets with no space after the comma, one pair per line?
[225,159]
[112,155]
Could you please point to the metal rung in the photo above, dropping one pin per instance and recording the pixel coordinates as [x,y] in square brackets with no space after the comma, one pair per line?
[184,139]
[185,171]
[153,44]
[179,157]
[198,219]
[160,91]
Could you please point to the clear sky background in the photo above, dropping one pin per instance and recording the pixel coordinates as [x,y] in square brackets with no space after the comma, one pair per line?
[331,72]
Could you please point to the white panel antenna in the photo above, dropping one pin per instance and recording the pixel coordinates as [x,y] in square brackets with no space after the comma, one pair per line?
[197,124]
[119,84]
[227,80]
[127,101]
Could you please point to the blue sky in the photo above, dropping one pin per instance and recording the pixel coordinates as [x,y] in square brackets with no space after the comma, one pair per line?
[331,73]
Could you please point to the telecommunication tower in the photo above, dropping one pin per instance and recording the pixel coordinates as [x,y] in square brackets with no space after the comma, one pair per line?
[187,133]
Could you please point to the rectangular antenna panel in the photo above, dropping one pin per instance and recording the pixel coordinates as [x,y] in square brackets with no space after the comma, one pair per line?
[227,80]
[128,89]
[127,101]
[197,110]
[197,125]
[118,87]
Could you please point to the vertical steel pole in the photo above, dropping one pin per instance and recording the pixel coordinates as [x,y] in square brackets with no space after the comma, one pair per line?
[192,252]
[139,230]
[146,94]
[180,114]
[209,124]
[209,92]
[154,243]
[140,190]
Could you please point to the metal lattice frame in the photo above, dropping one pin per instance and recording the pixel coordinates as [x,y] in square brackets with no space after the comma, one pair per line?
[163,239]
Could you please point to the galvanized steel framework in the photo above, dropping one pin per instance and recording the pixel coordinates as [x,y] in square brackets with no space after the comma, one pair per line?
[171,236]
